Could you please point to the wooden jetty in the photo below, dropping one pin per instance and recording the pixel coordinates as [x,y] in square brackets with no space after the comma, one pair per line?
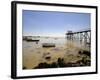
[83,35]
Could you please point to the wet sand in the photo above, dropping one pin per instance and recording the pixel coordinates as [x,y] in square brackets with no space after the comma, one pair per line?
[34,54]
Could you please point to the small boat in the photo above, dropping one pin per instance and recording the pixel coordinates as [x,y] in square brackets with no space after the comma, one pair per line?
[48,45]
[32,40]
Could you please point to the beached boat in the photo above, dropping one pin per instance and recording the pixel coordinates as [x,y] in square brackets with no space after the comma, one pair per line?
[32,40]
[48,45]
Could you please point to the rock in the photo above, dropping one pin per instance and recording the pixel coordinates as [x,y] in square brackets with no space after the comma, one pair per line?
[54,65]
[48,45]
[86,61]
[80,52]
[61,62]
[48,58]
[86,52]
[43,65]
[24,67]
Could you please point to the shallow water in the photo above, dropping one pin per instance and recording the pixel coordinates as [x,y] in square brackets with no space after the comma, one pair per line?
[34,53]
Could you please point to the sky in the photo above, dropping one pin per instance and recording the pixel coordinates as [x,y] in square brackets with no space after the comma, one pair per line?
[50,23]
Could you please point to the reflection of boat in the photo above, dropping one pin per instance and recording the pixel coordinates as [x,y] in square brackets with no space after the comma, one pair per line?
[48,45]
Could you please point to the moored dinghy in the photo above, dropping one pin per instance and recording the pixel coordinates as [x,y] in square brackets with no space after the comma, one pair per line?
[48,45]
[33,40]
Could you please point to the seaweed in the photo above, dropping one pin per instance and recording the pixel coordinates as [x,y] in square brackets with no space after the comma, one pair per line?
[61,62]
[84,52]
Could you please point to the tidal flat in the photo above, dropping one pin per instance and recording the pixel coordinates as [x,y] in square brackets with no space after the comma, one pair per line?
[65,53]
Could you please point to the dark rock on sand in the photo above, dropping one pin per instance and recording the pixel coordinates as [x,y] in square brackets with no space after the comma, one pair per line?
[86,61]
[54,65]
[84,52]
[48,58]
[80,52]
[43,65]
[61,62]
[24,67]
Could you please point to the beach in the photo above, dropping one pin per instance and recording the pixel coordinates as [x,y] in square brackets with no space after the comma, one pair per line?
[66,53]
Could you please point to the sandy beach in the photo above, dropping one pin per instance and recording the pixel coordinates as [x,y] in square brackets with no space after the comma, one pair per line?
[64,51]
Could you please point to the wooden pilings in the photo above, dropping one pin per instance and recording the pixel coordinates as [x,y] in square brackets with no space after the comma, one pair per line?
[82,36]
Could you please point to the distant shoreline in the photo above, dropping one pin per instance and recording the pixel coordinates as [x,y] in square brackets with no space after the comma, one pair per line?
[46,36]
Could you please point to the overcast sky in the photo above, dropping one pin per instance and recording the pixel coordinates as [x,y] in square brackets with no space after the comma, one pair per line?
[43,23]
